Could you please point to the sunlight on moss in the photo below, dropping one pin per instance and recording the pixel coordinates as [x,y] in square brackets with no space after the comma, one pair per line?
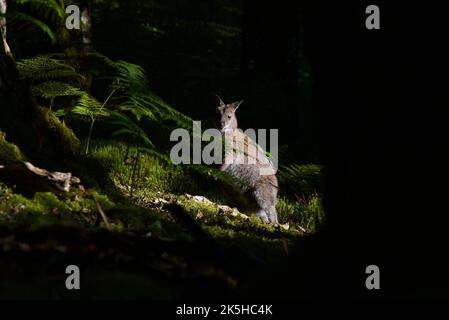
[69,143]
[9,153]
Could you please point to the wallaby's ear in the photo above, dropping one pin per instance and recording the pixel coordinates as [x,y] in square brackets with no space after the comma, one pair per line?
[217,100]
[237,104]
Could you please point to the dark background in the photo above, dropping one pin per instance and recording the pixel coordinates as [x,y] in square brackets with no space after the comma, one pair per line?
[369,111]
[380,116]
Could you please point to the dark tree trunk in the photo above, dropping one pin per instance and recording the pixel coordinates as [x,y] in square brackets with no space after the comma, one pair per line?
[86,26]
[35,130]
[84,43]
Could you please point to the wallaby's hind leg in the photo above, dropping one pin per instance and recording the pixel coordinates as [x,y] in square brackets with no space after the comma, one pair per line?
[265,193]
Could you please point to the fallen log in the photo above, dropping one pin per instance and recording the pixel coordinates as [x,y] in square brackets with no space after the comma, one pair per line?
[28,179]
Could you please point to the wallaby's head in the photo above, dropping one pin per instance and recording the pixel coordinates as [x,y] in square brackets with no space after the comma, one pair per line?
[227,121]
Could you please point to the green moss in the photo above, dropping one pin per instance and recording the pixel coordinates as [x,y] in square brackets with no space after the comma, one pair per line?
[62,134]
[211,214]
[157,183]
[306,212]
[145,174]
[81,208]
[75,206]
[9,153]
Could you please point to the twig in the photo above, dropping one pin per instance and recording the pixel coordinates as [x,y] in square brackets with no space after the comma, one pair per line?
[134,172]
[103,215]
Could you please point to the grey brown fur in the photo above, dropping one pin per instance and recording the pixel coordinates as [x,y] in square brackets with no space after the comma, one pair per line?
[260,190]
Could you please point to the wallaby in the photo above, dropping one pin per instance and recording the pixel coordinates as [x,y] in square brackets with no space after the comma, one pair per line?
[244,161]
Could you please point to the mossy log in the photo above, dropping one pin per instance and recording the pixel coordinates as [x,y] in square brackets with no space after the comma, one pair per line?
[29,179]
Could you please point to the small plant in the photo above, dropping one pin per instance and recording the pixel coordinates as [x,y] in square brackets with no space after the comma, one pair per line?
[90,107]
[50,77]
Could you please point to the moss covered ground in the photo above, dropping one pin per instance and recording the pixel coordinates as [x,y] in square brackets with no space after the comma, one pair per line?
[163,227]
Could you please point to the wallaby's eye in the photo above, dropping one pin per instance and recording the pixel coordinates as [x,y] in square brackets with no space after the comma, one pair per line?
[229,116]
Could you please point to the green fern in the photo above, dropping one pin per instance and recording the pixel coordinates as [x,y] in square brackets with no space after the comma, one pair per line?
[89,106]
[52,89]
[43,13]
[129,128]
[43,71]
[301,179]
[140,99]
[137,96]
[46,67]
[27,21]
[53,10]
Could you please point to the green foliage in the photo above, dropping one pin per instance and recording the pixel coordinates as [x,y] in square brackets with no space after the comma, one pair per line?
[42,203]
[137,97]
[53,89]
[54,10]
[129,128]
[301,186]
[46,67]
[305,212]
[301,179]
[154,172]
[28,21]
[89,106]
[32,18]
[156,176]
[130,93]
[50,78]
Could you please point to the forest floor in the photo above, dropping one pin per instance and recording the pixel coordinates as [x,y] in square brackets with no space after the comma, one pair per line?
[155,232]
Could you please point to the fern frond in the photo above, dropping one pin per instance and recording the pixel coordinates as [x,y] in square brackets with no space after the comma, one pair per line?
[47,9]
[128,127]
[32,21]
[46,67]
[89,106]
[305,179]
[138,96]
[131,76]
[53,89]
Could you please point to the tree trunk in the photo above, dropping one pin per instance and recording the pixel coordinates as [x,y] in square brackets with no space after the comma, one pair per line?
[86,26]
[79,44]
